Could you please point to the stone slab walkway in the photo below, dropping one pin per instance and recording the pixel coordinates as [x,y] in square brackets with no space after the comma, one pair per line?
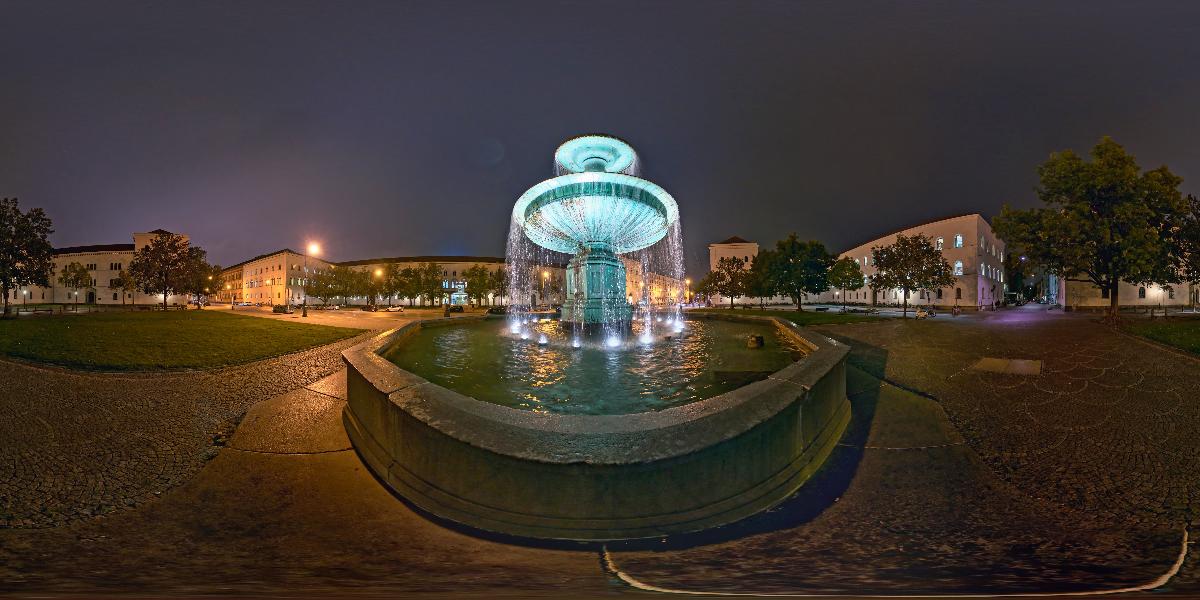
[75,445]
[286,508]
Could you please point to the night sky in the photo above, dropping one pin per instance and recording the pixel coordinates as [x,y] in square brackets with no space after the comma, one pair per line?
[385,129]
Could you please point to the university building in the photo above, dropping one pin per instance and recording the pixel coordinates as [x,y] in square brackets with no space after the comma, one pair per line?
[974,253]
[105,262]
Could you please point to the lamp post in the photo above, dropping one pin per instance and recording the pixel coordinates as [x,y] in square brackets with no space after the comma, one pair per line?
[379,278]
[688,286]
[228,289]
[313,249]
[545,277]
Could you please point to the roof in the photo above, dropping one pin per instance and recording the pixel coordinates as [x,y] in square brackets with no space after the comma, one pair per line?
[161,232]
[421,259]
[261,256]
[907,227]
[94,248]
[734,240]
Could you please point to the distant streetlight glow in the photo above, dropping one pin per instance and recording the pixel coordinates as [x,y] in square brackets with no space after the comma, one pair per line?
[314,249]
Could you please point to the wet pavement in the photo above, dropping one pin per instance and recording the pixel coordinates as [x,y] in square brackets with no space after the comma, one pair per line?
[949,480]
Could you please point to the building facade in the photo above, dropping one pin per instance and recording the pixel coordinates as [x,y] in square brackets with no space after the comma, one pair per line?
[105,262]
[269,279]
[1080,294]
[968,244]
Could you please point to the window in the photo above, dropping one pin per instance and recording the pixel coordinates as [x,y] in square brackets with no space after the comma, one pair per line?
[114,296]
[1104,292]
[958,269]
[1141,292]
[940,242]
[958,293]
[939,294]
[982,244]
[1170,293]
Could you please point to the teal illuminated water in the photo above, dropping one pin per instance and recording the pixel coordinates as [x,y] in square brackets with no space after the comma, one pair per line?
[485,360]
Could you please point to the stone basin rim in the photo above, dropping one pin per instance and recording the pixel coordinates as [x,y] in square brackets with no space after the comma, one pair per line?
[593,439]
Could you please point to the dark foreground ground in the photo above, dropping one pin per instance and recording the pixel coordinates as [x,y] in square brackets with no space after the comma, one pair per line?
[950,480]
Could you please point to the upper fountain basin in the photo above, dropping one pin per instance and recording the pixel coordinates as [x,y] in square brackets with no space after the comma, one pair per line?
[595,152]
[623,211]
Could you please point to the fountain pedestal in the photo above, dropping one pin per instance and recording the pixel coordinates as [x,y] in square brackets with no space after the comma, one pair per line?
[596,288]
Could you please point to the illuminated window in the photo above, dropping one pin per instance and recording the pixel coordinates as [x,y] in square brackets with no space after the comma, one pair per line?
[958,268]
[940,242]
[958,240]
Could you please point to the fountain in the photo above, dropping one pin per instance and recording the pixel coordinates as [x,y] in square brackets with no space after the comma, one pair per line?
[596,210]
[624,418]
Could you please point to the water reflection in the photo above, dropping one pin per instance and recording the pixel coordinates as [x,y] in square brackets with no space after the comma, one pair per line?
[547,367]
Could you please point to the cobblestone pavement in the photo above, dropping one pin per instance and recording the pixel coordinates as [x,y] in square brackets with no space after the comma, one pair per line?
[904,506]
[286,509]
[1111,427]
[1080,478]
[76,445]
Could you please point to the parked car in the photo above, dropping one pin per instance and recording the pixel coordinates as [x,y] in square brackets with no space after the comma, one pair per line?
[370,308]
[498,310]
[455,308]
[396,308]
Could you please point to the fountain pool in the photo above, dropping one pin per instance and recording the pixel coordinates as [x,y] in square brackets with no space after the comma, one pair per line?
[487,361]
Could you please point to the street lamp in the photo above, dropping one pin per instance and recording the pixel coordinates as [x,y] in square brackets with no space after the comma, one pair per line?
[545,277]
[314,250]
[688,285]
[228,291]
[378,275]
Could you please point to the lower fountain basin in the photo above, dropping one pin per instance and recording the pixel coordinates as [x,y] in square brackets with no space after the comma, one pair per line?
[540,368]
[596,477]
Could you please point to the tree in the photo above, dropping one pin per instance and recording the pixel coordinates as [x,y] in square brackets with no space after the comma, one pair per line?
[26,257]
[410,284]
[75,276]
[499,282]
[800,268]
[846,275]
[1188,254]
[911,263]
[1104,219]
[479,282]
[123,284]
[429,278]
[393,282]
[161,266]
[320,284]
[729,278]
[759,282]
[199,278]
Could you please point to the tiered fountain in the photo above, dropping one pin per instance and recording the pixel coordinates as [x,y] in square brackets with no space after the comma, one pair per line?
[595,426]
[596,210]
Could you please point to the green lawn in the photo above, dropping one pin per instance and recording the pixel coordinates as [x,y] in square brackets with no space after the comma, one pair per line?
[806,317]
[147,341]
[1182,333]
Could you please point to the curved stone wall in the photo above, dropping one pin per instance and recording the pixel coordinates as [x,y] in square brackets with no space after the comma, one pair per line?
[596,477]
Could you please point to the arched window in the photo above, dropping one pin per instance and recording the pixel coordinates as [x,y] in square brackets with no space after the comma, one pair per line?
[958,240]
[958,269]
[1141,292]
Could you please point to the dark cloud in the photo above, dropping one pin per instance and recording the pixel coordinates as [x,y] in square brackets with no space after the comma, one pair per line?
[393,128]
